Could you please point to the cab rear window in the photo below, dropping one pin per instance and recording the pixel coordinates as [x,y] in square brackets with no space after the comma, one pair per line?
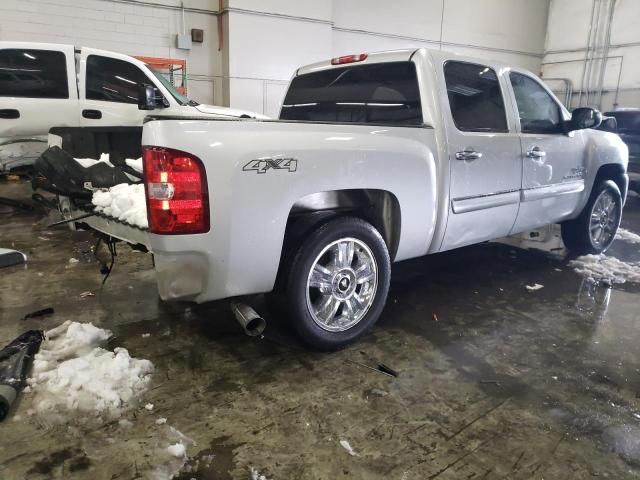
[379,94]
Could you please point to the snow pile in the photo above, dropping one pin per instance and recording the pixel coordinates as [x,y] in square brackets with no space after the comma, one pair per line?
[124,202]
[534,287]
[601,267]
[627,236]
[72,372]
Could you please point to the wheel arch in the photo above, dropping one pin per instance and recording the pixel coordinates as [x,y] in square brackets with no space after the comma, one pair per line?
[615,172]
[379,207]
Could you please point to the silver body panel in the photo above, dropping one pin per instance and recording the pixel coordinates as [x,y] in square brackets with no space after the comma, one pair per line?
[444,202]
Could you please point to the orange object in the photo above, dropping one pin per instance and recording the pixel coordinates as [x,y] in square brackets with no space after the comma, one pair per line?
[170,66]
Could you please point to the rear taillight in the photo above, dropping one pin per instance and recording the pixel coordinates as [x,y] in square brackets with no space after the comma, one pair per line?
[176,189]
[349,59]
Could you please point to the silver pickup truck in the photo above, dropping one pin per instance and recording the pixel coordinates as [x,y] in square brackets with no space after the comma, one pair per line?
[375,158]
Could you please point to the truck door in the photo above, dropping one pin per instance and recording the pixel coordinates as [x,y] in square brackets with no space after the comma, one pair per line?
[109,89]
[37,90]
[484,155]
[553,161]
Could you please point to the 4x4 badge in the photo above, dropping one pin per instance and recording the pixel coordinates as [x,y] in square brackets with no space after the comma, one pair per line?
[263,164]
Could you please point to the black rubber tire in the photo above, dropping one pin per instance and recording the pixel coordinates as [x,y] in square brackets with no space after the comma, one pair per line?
[575,233]
[297,270]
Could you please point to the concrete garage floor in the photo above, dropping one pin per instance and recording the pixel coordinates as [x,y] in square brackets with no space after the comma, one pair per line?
[506,383]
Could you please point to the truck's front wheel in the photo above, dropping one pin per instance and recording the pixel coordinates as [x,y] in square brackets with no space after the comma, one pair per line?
[595,229]
[337,282]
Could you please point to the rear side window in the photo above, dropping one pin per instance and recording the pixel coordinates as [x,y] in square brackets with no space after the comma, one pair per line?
[380,94]
[113,80]
[33,74]
[475,97]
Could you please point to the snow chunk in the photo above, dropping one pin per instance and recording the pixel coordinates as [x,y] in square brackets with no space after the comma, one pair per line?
[72,372]
[534,287]
[135,163]
[149,406]
[601,267]
[627,236]
[124,202]
[178,450]
[161,421]
[347,447]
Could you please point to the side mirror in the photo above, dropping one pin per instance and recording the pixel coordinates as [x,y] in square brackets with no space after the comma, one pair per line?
[585,117]
[147,98]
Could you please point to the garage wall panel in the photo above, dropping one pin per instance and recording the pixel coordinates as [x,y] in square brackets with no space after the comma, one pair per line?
[270,47]
[409,18]
[515,25]
[566,49]
[316,9]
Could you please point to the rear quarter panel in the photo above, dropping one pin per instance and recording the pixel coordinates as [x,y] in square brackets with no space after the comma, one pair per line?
[249,210]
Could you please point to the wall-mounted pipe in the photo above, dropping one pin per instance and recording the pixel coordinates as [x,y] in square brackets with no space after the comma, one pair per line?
[593,50]
[605,53]
[618,89]
[587,51]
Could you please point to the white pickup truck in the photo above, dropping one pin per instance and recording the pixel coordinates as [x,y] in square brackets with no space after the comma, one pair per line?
[375,159]
[45,85]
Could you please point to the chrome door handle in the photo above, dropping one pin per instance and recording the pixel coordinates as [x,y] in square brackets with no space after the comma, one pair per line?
[535,152]
[468,154]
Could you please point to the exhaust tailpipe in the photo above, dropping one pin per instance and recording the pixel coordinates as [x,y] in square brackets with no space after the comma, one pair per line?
[252,323]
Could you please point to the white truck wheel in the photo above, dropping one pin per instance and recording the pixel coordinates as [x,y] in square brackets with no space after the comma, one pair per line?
[595,229]
[337,282]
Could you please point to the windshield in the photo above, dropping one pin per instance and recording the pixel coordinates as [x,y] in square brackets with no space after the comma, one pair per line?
[180,98]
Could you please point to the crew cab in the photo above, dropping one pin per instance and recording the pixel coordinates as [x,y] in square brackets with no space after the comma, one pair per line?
[46,85]
[375,158]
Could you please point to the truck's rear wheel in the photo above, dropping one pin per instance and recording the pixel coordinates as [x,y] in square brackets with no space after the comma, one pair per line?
[596,227]
[337,283]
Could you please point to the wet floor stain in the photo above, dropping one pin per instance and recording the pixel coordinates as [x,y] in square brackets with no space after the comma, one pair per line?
[214,463]
[74,458]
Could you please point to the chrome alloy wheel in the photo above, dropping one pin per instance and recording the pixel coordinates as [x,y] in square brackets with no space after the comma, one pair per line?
[604,219]
[342,284]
